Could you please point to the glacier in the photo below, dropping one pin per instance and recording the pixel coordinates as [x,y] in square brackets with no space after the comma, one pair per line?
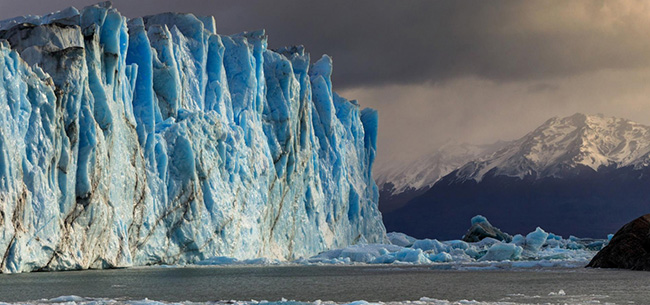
[155,140]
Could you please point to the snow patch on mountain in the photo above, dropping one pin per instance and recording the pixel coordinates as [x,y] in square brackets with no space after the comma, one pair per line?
[562,144]
[424,172]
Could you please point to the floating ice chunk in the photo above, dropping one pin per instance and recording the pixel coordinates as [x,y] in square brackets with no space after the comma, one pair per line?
[536,250]
[359,303]
[554,243]
[485,243]
[218,260]
[383,259]
[357,253]
[502,252]
[443,257]
[574,246]
[457,244]
[363,253]
[415,256]
[460,256]
[596,245]
[535,240]
[553,236]
[67,298]
[479,219]
[481,228]
[400,239]
[224,260]
[473,253]
[517,298]
[431,245]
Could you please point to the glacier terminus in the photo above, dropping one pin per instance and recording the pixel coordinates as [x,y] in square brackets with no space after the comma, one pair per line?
[155,140]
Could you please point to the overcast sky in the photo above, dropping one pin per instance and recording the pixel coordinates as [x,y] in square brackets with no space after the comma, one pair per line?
[467,71]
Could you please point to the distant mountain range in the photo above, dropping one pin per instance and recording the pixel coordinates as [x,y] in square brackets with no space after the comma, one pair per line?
[584,175]
[398,183]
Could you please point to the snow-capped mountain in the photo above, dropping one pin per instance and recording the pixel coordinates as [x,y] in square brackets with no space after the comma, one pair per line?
[584,175]
[400,182]
[562,144]
[422,173]
[155,140]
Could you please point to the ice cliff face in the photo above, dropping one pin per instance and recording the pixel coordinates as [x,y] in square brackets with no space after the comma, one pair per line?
[156,140]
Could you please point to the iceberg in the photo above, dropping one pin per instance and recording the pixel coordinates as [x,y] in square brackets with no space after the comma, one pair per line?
[538,249]
[156,140]
[502,252]
[482,228]
[400,239]
[535,240]
[355,254]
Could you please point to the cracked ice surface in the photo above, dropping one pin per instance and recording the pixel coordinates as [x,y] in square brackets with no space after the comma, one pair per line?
[155,140]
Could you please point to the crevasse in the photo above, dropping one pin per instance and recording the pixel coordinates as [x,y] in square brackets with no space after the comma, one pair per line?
[157,141]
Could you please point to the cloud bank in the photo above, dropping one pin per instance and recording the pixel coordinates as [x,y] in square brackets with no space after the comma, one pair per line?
[473,71]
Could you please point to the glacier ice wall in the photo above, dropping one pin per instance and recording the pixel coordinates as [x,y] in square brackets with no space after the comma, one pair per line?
[157,141]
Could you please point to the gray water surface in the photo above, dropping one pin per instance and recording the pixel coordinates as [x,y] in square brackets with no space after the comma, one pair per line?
[332,283]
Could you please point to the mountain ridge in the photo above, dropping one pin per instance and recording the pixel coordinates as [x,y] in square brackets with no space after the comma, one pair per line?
[398,183]
[426,170]
[562,143]
[582,174]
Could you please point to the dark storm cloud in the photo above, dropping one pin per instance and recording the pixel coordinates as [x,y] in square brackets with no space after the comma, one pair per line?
[406,42]
[542,87]
[469,71]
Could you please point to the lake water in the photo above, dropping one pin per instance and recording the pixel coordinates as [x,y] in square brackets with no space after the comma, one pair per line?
[334,283]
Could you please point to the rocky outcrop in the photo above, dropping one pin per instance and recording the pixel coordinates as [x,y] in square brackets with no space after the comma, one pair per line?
[628,249]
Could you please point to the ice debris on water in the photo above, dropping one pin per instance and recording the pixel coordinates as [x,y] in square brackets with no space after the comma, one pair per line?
[537,249]
[560,297]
